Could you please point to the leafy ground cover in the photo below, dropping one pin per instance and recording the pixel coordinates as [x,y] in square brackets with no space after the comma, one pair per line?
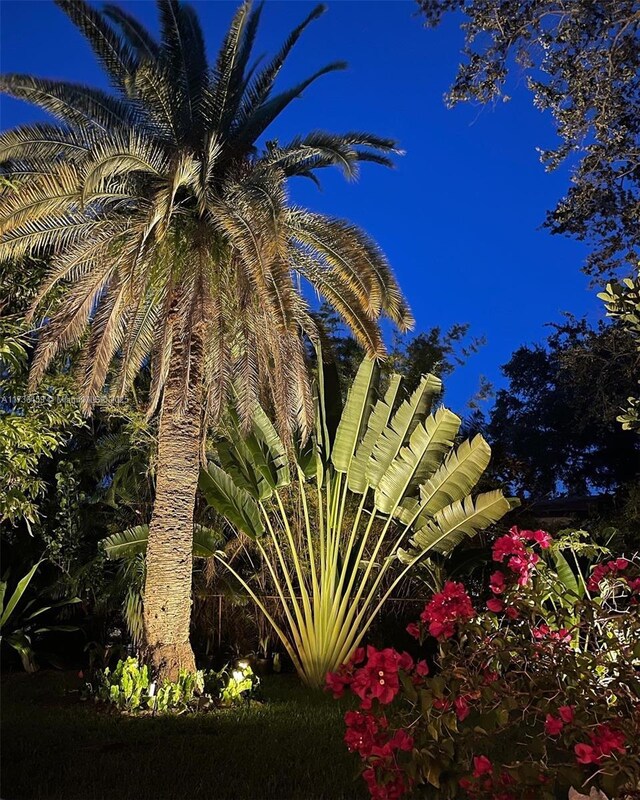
[289,748]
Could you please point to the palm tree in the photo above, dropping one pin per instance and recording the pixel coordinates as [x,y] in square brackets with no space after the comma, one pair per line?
[168,228]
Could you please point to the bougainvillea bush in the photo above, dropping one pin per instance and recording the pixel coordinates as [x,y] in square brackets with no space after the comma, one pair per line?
[534,688]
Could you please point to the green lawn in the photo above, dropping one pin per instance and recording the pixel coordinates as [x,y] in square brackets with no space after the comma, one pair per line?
[56,747]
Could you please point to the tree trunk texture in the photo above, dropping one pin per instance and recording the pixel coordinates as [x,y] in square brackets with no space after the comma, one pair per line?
[167,591]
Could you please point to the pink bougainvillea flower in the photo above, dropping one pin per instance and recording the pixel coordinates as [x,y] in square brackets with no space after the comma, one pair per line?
[634,585]
[489,676]
[512,612]
[507,545]
[446,609]
[609,568]
[497,582]
[401,740]
[541,538]
[413,629]
[422,668]
[391,789]
[378,678]
[512,550]
[553,725]
[605,741]
[461,707]
[599,573]
[566,713]
[495,605]
[541,631]
[336,683]
[585,754]
[359,655]
[481,766]
[360,734]
[405,662]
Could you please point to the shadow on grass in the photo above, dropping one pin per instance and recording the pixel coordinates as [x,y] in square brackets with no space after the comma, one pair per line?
[55,747]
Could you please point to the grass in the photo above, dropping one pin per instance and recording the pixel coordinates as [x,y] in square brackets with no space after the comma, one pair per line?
[55,747]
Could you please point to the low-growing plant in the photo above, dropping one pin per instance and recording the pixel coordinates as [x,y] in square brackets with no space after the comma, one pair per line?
[126,687]
[240,684]
[23,616]
[130,687]
[523,699]
[177,695]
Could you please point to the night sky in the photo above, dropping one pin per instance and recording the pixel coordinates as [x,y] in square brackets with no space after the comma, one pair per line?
[460,216]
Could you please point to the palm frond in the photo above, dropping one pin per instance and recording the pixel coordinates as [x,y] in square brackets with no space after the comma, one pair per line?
[184,50]
[73,103]
[450,525]
[111,51]
[42,142]
[137,35]
[257,91]
[265,114]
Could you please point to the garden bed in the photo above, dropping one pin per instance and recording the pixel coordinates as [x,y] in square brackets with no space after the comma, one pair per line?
[57,747]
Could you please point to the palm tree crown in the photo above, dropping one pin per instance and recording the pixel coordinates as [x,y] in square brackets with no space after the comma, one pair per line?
[168,226]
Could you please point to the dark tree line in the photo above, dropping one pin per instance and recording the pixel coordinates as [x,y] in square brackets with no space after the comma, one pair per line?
[581,60]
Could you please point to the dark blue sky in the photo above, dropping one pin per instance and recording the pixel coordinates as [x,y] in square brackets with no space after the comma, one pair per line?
[459,217]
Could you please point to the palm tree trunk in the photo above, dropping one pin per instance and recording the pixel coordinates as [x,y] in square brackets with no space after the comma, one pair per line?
[167,593]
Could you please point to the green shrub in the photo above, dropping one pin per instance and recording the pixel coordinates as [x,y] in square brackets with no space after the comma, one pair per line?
[531,694]
[129,687]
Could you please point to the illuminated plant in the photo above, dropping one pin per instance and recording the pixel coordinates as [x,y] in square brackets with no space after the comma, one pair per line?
[528,696]
[361,506]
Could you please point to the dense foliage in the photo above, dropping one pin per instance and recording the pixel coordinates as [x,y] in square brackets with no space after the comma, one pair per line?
[535,693]
[581,59]
[622,301]
[554,428]
[376,488]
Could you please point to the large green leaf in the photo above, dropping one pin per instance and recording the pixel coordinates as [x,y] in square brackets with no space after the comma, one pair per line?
[133,541]
[231,501]
[566,576]
[68,602]
[378,421]
[456,477]
[258,461]
[17,594]
[207,541]
[269,451]
[21,643]
[355,414]
[409,415]
[127,543]
[420,458]
[237,460]
[451,524]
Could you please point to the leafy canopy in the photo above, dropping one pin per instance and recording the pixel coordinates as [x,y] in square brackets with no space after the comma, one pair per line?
[581,59]
[168,225]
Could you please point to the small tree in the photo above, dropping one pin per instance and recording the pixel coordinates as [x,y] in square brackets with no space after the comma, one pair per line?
[365,503]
